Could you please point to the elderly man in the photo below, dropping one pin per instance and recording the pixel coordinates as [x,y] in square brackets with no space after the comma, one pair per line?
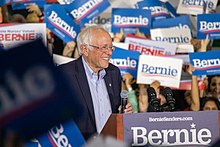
[97,82]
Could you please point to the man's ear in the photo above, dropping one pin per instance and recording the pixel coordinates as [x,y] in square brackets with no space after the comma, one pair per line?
[84,49]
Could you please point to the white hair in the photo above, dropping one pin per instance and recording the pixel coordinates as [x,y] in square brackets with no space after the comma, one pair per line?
[85,36]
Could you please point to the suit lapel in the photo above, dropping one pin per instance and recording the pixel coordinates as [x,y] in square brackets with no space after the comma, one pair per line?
[84,87]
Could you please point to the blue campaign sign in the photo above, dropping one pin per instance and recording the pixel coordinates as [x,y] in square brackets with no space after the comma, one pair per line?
[34,95]
[131,18]
[171,9]
[206,63]
[3,2]
[84,10]
[178,22]
[22,4]
[65,2]
[158,9]
[66,134]
[60,23]
[126,61]
[208,24]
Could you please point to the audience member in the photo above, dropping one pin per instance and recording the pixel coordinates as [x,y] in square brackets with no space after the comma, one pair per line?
[127,81]
[4,14]
[18,18]
[35,13]
[214,86]
[192,97]
[70,50]
[32,18]
[209,103]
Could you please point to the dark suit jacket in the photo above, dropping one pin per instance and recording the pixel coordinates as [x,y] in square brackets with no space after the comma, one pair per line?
[76,75]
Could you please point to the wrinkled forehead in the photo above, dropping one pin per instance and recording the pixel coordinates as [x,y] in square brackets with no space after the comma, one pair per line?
[101,36]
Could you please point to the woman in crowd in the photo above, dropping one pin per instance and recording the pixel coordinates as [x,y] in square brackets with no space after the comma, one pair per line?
[214,86]
[209,103]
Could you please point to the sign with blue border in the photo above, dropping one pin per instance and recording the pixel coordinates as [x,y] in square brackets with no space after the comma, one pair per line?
[36,94]
[3,2]
[131,18]
[66,134]
[157,8]
[84,10]
[178,22]
[208,24]
[126,61]
[206,63]
[171,9]
[22,4]
[60,23]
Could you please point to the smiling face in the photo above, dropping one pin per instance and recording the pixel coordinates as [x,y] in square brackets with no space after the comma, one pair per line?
[215,87]
[94,57]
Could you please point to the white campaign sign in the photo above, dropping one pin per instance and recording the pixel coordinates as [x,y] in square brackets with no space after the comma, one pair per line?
[196,7]
[163,69]
[121,45]
[151,47]
[185,48]
[16,34]
[173,35]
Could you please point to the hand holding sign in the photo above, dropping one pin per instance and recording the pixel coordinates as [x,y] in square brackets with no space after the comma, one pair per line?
[204,44]
[140,34]
[34,8]
[118,36]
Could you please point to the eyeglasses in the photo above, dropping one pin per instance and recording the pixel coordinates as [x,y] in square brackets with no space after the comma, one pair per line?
[104,48]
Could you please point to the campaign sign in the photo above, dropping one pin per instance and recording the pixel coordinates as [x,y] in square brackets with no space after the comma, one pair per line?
[65,2]
[103,20]
[178,22]
[131,18]
[208,24]
[157,8]
[172,35]
[185,48]
[84,10]
[206,63]
[126,61]
[186,78]
[190,129]
[151,47]
[60,23]
[66,135]
[34,95]
[121,45]
[12,35]
[22,4]
[3,2]
[196,7]
[163,69]
[171,9]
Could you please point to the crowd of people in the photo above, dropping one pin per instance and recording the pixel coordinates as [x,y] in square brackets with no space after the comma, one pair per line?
[101,82]
[185,99]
